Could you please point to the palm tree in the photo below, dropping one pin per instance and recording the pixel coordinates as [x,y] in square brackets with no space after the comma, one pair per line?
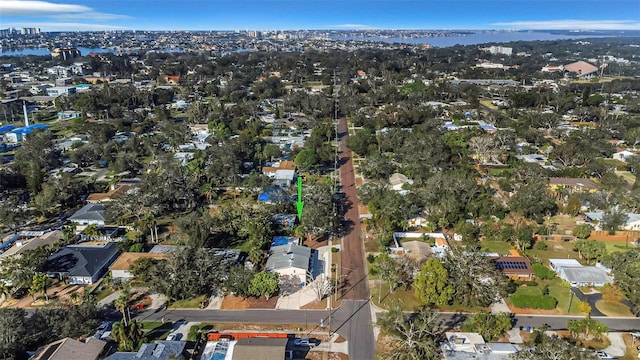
[91,231]
[74,297]
[122,304]
[4,289]
[128,336]
[39,283]
[256,255]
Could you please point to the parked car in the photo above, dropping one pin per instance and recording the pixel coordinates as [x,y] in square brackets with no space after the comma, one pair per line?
[102,329]
[174,337]
[305,342]
[603,355]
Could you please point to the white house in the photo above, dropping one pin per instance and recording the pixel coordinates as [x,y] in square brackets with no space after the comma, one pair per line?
[595,218]
[398,180]
[623,155]
[290,260]
[120,269]
[89,214]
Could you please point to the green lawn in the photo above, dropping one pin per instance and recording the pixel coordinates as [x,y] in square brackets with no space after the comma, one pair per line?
[156,330]
[563,295]
[613,310]
[557,290]
[188,303]
[407,297]
[618,246]
[106,291]
[555,250]
[500,247]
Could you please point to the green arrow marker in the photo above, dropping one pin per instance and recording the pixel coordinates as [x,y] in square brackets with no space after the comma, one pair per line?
[299,202]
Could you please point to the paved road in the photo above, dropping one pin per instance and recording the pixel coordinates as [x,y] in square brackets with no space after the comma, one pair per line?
[356,286]
[353,317]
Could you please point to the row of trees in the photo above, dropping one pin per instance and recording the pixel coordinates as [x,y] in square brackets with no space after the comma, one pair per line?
[20,332]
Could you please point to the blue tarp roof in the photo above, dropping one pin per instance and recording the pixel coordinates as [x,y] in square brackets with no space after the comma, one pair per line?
[274,194]
[29,129]
[6,128]
[284,240]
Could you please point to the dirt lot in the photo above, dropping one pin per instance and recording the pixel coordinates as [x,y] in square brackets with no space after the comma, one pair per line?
[231,302]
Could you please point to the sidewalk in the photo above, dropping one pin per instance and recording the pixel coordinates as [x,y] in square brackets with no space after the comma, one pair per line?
[617,348]
[499,307]
[332,346]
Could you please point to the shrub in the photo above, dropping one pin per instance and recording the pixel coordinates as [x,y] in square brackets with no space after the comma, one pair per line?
[533,302]
[541,245]
[542,272]
[334,250]
[531,283]
[371,258]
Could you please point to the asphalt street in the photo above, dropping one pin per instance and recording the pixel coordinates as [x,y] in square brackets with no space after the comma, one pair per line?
[351,318]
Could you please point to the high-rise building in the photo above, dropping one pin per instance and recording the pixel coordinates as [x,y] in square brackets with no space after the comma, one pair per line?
[29,31]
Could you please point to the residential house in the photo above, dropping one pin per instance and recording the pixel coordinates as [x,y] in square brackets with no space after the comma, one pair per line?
[623,155]
[23,244]
[397,182]
[572,185]
[171,79]
[290,260]
[468,346]
[159,350]
[552,68]
[114,191]
[514,267]
[68,348]
[120,269]
[287,221]
[60,90]
[68,114]
[89,214]
[82,264]
[571,271]
[259,348]
[595,219]
[283,173]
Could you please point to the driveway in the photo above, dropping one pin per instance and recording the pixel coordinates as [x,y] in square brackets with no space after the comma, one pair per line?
[589,298]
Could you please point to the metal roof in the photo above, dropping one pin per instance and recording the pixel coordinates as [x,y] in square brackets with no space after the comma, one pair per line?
[585,274]
[288,256]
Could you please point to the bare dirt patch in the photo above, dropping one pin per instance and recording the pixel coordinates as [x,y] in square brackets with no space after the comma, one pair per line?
[316,305]
[231,302]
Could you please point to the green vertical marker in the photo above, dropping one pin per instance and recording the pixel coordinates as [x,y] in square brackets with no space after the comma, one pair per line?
[299,202]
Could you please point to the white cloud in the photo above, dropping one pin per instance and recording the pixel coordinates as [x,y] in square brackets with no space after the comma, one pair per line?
[53,10]
[65,26]
[350,26]
[573,25]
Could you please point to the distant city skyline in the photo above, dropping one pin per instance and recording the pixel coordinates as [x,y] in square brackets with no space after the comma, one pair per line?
[75,15]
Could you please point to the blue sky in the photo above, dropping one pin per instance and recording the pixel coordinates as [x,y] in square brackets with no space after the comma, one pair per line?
[62,15]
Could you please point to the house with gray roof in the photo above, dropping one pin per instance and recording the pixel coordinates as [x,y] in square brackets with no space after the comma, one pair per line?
[259,349]
[89,214]
[571,271]
[67,348]
[595,219]
[158,350]
[290,260]
[83,264]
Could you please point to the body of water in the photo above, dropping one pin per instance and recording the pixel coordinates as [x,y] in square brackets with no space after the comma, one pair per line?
[83,51]
[473,39]
[41,51]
